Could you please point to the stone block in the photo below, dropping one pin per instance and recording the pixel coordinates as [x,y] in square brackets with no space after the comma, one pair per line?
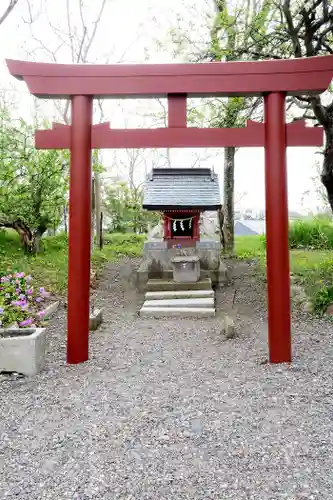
[162,285]
[51,309]
[307,307]
[220,275]
[329,310]
[95,319]
[186,269]
[178,312]
[24,352]
[179,294]
[186,303]
[208,244]
[229,327]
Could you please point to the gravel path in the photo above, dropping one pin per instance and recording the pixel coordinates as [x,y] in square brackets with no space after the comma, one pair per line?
[171,410]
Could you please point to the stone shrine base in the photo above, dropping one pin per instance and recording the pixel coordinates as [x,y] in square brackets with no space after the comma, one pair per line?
[157,261]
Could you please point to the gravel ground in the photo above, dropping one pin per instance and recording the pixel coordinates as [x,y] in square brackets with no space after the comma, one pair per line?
[171,410]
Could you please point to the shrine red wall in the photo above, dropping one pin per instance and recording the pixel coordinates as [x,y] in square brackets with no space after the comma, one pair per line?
[182,240]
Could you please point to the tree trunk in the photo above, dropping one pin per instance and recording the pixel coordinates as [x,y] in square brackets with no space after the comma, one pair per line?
[100,241]
[228,198]
[36,237]
[327,170]
[65,219]
[30,240]
[220,218]
[98,208]
[93,199]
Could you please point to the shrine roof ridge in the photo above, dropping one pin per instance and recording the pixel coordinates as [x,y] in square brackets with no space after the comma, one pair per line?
[182,171]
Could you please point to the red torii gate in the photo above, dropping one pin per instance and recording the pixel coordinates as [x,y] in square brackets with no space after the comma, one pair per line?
[271,79]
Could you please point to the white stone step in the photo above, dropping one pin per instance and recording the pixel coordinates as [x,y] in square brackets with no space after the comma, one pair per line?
[179,294]
[191,303]
[182,312]
[159,284]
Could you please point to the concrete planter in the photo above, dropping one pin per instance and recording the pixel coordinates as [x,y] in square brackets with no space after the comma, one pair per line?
[22,350]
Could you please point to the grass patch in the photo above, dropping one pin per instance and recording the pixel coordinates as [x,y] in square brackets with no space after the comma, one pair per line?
[49,267]
[127,244]
[313,269]
[312,234]
[248,247]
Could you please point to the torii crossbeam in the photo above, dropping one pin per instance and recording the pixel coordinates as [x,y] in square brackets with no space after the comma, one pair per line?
[271,79]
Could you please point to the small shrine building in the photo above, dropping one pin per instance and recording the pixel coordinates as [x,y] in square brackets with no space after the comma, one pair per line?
[180,195]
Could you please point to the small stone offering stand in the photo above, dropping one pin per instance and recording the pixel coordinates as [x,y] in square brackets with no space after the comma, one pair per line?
[182,258]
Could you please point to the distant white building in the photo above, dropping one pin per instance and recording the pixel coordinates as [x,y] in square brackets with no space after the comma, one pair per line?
[250,227]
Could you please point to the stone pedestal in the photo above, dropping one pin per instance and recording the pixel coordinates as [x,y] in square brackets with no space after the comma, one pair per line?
[186,269]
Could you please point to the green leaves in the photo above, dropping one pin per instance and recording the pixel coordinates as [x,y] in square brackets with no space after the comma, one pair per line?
[34,184]
[123,205]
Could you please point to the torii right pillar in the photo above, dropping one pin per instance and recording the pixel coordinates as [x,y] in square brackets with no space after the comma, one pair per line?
[277,249]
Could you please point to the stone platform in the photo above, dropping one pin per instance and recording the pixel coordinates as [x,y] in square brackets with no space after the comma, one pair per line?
[157,261]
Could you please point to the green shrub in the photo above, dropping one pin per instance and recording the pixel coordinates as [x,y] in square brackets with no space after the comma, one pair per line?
[322,298]
[313,234]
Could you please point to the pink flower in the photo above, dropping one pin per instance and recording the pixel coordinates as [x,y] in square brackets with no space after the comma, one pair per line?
[26,322]
[20,303]
[30,291]
[41,314]
[43,292]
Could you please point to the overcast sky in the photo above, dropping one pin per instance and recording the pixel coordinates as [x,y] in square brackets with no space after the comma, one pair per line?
[129,32]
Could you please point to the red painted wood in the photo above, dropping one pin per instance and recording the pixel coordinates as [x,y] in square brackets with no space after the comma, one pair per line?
[253,135]
[177,111]
[79,231]
[166,228]
[196,232]
[176,214]
[279,330]
[292,76]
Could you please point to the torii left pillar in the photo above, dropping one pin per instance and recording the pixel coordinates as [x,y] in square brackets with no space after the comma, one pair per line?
[79,231]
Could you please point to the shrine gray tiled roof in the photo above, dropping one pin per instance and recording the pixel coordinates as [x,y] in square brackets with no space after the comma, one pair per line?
[167,188]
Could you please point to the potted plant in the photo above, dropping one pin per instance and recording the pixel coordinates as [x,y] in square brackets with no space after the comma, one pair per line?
[24,310]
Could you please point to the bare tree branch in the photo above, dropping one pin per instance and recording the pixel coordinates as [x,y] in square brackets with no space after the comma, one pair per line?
[292,30]
[8,10]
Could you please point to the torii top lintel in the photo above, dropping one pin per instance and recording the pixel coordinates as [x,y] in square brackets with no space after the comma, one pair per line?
[290,76]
